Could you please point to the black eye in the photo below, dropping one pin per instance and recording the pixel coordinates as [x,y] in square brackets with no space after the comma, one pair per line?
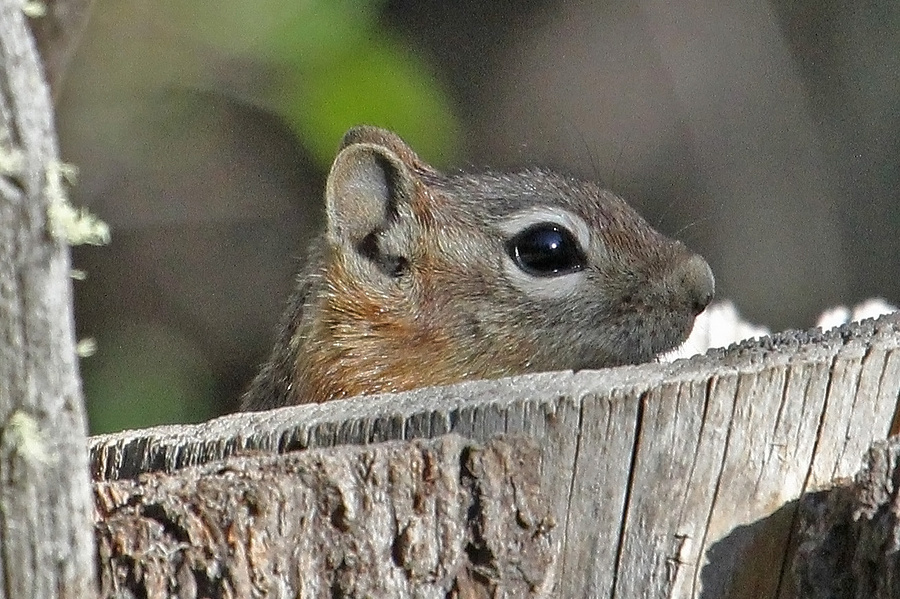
[546,250]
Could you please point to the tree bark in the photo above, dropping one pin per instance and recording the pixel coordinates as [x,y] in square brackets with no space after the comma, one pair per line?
[426,519]
[664,480]
[850,536]
[46,547]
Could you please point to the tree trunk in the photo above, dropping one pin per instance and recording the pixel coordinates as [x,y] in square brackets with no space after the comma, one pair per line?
[663,480]
[46,547]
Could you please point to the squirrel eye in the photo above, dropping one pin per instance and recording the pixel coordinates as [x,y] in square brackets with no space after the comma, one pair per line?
[546,250]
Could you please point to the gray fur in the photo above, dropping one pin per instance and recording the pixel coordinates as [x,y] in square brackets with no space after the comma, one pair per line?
[636,297]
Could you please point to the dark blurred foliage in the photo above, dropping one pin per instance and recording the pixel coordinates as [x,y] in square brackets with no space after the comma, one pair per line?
[763,135]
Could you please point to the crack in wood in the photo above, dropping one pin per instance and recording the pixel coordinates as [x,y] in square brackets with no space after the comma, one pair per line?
[633,460]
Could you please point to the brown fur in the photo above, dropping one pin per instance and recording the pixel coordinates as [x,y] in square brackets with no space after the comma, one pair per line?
[410,285]
[365,343]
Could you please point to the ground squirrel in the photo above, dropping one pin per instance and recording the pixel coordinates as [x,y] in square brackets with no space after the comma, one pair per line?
[424,278]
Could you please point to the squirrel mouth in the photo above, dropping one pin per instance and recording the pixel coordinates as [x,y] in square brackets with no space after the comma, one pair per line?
[649,336]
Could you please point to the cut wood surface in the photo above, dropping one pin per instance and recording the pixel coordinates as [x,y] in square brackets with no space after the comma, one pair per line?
[665,480]
[428,519]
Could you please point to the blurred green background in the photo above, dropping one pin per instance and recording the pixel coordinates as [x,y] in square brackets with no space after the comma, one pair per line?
[764,135]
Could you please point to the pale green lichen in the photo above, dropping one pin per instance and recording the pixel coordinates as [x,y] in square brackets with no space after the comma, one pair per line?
[86,347]
[66,171]
[34,8]
[12,162]
[76,226]
[26,440]
[76,274]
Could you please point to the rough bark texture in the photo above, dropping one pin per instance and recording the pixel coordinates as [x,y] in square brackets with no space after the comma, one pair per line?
[665,480]
[437,519]
[850,536]
[46,548]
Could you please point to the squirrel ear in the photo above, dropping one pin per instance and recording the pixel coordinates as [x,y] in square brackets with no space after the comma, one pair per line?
[376,136]
[369,191]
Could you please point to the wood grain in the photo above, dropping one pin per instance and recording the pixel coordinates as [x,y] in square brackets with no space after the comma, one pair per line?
[667,480]
[849,537]
[425,519]
[46,548]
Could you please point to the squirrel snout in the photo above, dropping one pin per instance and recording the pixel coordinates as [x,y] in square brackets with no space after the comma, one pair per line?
[694,278]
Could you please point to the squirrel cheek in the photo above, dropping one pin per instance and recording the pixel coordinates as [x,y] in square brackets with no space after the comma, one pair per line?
[544,288]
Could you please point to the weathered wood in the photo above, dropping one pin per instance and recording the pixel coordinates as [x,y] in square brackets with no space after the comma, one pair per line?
[664,479]
[46,547]
[436,519]
[849,537]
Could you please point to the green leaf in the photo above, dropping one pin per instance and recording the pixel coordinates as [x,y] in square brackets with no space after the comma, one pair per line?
[377,83]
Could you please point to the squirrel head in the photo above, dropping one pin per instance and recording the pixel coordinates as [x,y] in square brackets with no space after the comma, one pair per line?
[430,278]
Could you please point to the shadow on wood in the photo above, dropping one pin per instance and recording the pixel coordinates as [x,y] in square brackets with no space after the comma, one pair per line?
[756,554]
[850,535]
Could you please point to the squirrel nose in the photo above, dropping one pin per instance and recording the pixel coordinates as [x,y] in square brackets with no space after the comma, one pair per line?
[695,279]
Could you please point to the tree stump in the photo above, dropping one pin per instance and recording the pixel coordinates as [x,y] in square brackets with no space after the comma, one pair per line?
[441,518]
[849,541]
[664,480]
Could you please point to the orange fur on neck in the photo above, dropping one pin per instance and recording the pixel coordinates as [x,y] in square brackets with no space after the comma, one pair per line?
[366,343]
[363,344]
